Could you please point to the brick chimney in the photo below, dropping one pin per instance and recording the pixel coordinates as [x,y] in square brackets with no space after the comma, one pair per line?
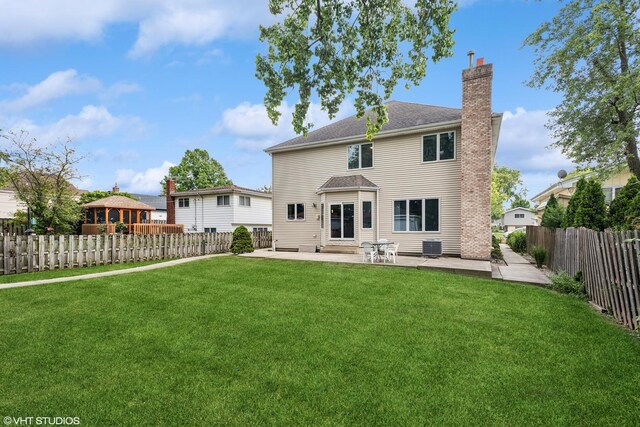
[171,204]
[476,160]
[115,189]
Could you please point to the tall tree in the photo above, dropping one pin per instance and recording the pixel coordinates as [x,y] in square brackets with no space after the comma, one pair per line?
[91,196]
[506,185]
[619,209]
[590,52]
[41,176]
[197,170]
[591,211]
[520,202]
[338,47]
[553,214]
[569,216]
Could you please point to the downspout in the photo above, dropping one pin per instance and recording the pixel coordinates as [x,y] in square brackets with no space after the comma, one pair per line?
[377,214]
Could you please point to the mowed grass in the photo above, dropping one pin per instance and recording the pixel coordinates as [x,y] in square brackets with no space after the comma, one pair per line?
[53,274]
[239,341]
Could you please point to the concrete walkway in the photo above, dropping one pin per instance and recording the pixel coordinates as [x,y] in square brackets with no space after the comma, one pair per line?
[109,273]
[518,269]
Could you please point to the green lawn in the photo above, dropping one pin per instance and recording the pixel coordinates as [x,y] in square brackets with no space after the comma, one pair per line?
[52,274]
[248,341]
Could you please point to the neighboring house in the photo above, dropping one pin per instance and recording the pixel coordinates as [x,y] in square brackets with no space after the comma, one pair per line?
[158,202]
[564,189]
[218,209]
[518,218]
[9,203]
[425,175]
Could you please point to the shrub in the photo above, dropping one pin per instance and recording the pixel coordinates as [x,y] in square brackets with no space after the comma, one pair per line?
[569,215]
[566,284]
[619,210]
[539,255]
[241,242]
[517,241]
[591,210]
[553,214]
[496,252]
[121,227]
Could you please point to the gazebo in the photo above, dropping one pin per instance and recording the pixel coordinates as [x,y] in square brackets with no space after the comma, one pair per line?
[100,216]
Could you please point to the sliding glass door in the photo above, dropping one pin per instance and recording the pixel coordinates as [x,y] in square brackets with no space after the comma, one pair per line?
[343,221]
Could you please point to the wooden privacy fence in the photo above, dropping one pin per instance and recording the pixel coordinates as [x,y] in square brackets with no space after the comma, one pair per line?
[610,265]
[9,227]
[22,254]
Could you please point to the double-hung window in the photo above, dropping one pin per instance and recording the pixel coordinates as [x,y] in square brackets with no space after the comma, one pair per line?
[416,215]
[209,229]
[183,202]
[295,211]
[438,147]
[245,201]
[519,216]
[366,214]
[360,156]
[224,201]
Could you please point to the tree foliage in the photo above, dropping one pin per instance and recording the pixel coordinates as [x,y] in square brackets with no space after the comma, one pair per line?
[520,202]
[41,177]
[590,52]
[569,216]
[553,215]
[591,210]
[197,170]
[337,47]
[241,242]
[619,210]
[506,184]
[91,196]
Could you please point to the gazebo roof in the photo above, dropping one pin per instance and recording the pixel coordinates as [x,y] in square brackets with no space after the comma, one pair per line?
[119,202]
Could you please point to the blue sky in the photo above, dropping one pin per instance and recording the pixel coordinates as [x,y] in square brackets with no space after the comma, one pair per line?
[135,83]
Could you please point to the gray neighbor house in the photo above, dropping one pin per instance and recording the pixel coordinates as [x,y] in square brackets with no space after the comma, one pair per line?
[425,175]
[518,218]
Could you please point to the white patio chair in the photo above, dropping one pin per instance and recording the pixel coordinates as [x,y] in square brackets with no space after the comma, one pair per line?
[382,247]
[391,252]
[369,251]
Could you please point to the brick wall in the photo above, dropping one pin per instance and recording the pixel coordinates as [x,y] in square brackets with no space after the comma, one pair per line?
[476,162]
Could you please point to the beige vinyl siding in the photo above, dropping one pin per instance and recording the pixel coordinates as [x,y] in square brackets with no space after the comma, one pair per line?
[398,171]
[9,204]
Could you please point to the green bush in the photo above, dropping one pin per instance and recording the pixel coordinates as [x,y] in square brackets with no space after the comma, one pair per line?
[566,284]
[518,241]
[241,242]
[121,227]
[496,252]
[591,210]
[553,215]
[539,255]
[569,215]
[620,209]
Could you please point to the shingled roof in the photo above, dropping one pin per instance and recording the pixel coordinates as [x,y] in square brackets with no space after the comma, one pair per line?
[402,115]
[350,181]
[120,202]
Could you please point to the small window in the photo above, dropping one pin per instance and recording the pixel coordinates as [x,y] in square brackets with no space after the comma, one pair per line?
[245,201]
[366,214]
[416,215]
[295,211]
[210,230]
[259,229]
[183,202]
[223,201]
[439,147]
[360,156]
[321,215]
[519,215]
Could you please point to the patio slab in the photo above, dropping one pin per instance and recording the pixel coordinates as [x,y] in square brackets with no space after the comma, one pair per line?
[468,267]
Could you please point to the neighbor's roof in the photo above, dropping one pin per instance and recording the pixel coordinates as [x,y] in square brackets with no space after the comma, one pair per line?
[516,209]
[562,184]
[158,202]
[120,202]
[222,190]
[347,182]
[402,115]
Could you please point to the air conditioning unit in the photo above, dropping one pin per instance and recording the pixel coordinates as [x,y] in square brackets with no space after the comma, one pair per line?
[432,247]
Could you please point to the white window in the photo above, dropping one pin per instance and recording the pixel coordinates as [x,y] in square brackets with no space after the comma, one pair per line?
[416,215]
[360,156]
[259,229]
[223,201]
[519,216]
[245,201]
[295,211]
[183,202]
[210,230]
[439,147]
[366,214]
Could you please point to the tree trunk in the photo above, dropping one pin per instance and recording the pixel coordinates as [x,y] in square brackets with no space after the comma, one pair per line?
[631,151]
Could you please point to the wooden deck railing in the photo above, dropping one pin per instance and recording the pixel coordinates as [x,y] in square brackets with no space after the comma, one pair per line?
[95,229]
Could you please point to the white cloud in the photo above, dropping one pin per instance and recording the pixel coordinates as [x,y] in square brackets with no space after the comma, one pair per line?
[160,22]
[525,145]
[253,130]
[118,89]
[147,181]
[56,85]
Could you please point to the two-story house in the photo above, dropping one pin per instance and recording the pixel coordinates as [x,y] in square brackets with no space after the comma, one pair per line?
[425,175]
[518,218]
[218,209]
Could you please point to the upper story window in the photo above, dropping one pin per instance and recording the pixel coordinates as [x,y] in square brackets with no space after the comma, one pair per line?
[360,156]
[295,211]
[224,201]
[519,215]
[183,202]
[439,147]
[245,201]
